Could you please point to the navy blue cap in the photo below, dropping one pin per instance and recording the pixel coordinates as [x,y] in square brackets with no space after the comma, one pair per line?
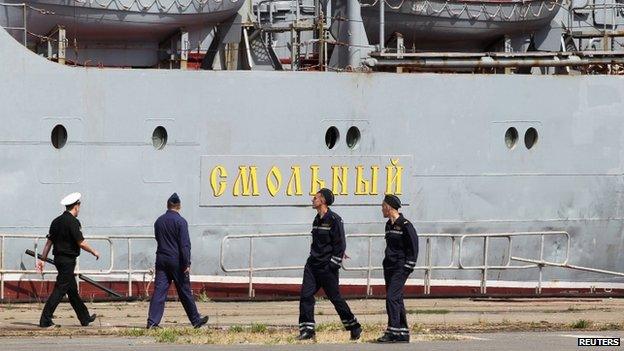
[393,201]
[174,199]
[327,195]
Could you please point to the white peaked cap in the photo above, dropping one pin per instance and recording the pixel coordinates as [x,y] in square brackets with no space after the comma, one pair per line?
[71,199]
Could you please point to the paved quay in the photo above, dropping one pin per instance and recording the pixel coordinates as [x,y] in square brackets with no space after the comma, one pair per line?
[427,312]
[437,324]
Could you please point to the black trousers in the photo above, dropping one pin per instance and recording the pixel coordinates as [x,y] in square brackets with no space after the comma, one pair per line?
[65,284]
[327,278]
[395,278]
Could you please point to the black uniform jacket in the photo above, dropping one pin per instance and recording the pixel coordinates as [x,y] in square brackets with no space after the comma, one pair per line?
[328,241]
[401,244]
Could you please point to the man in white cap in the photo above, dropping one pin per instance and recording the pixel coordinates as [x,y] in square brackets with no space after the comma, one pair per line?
[65,238]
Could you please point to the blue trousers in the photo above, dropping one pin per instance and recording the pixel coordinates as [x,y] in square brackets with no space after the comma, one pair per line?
[315,278]
[166,272]
[395,278]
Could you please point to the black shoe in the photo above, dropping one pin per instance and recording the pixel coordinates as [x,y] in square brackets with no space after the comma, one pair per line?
[89,321]
[386,338]
[355,333]
[203,320]
[152,326]
[306,335]
[49,325]
[401,338]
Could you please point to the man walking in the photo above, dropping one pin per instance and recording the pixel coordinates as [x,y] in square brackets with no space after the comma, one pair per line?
[321,269]
[400,260]
[65,238]
[173,263]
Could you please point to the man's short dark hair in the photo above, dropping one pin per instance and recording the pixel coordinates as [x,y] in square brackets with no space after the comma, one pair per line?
[171,205]
[71,207]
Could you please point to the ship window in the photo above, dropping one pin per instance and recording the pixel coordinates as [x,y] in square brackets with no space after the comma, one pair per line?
[511,137]
[59,136]
[159,138]
[331,137]
[530,137]
[353,137]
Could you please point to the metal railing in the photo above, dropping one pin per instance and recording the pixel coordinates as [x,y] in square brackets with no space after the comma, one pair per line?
[485,266]
[457,255]
[110,269]
[428,267]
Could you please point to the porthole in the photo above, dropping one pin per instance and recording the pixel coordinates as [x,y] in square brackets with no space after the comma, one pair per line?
[159,137]
[353,137]
[530,138]
[59,136]
[331,137]
[511,137]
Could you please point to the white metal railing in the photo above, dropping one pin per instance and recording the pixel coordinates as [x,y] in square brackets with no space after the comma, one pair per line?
[110,269]
[456,256]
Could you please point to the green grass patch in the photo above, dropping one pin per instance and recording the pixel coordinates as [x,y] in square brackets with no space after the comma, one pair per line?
[235,329]
[426,311]
[581,324]
[134,332]
[258,328]
[167,335]
[331,326]
[203,297]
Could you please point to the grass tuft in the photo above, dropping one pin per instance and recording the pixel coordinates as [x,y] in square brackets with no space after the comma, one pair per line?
[581,324]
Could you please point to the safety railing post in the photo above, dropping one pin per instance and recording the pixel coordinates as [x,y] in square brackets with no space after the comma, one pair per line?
[427,281]
[540,267]
[369,289]
[129,267]
[251,267]
[484,270]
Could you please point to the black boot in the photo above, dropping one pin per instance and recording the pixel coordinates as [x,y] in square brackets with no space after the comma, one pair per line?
[386,338]
[90,320]
[355,333]
[203,320]
[401,338]
[306,334]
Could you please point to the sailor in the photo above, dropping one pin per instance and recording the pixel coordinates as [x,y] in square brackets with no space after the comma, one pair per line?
[321,269]
[65,238]
[399,263]
[173,263]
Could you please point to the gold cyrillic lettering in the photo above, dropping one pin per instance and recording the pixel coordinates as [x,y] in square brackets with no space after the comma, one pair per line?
[394,175]
[316,182]
[274,180]
[246,183]
[340,179]
[294,183]
[218,186]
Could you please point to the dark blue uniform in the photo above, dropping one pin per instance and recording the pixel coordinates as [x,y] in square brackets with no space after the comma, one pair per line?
[400,260]
[173,256]
[321,271]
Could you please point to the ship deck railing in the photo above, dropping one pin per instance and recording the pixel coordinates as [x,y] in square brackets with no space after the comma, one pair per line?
[457,258]
[113,249]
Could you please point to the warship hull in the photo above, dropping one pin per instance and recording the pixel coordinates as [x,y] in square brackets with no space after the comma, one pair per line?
[243,166]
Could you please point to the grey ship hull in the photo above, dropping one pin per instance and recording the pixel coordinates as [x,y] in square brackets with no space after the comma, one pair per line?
[447,130]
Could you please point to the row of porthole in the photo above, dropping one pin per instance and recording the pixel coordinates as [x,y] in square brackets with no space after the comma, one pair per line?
[530,137]
[332,136]
[59,137]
